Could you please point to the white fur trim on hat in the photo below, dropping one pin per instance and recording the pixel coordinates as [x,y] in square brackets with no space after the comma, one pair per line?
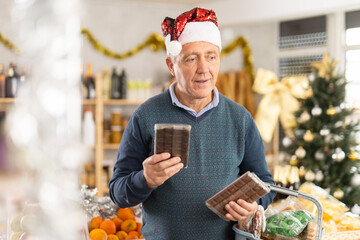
[194,32]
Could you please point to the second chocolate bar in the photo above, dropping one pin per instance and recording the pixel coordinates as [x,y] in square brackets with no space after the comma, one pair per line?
[247,187]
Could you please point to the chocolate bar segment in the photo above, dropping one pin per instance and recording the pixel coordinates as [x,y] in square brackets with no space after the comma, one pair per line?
[247,187]
[174,139]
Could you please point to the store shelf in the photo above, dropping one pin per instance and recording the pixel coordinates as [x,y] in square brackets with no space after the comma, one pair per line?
[7,100]
[111,146]
[123,102]
[88,101]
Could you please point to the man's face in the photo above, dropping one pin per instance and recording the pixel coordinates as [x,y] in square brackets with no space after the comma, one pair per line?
[196,69]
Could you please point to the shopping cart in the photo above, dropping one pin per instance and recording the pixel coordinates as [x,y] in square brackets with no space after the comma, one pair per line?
[241,235]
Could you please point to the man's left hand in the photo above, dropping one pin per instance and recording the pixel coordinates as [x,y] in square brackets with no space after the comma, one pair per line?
[240,209]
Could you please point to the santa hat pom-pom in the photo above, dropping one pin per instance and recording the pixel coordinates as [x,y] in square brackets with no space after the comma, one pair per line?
[174,48]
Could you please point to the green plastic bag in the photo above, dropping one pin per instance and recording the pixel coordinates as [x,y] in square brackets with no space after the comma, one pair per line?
[288,223]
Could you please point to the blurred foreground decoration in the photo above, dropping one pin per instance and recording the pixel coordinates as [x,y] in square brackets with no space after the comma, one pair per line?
[280,100]
[43,128]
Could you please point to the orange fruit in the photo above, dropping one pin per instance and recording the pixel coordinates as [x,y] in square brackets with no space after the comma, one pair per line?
[133,233]
[141,237]
[98,234]
[125,213]
[128,225]
[108,226]
[138,227]
[112,237]
[95,223]
[122,235]
[131,237]
[117,222]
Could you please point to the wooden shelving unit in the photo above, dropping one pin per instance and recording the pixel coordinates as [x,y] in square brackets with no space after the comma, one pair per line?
[100,147]
[7,100]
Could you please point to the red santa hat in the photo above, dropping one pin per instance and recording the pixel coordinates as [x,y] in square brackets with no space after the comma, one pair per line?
[193,26]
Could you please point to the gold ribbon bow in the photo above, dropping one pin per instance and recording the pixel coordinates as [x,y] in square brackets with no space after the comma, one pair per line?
[280,99]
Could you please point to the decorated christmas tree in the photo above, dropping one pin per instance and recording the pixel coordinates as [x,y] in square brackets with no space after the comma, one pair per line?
[325,142]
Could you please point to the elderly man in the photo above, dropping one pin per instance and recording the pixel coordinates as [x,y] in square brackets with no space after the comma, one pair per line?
[224,142]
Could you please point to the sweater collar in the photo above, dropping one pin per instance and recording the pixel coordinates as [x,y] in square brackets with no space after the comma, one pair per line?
[175,101]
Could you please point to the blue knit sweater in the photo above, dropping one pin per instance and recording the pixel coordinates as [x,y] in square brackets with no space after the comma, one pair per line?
[224,144]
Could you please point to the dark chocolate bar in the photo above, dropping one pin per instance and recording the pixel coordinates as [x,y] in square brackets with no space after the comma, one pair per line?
[174,139]
[247,187]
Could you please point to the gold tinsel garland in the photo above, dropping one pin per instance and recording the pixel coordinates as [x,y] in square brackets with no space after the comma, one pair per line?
[247,57]
[156,42]
[9,44]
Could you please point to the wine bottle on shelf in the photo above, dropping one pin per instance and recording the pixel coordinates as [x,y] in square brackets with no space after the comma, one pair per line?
[11,82]
[90,83]
[115,85]
[2,81]
[89,132]
[106,83]
[123,84]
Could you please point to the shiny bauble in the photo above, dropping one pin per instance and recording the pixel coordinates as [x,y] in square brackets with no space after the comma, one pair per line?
[319,176]
[355,180]
[302,171]
[304,117]
[294,161]
[28,222]
[309,176]
[338,194]
[311,77]
[15,224]
[338,155]
[316,111]
[308,136]
[319,155]
[331,111]
[353,156]
[324,132]
[286,141]
[300,152]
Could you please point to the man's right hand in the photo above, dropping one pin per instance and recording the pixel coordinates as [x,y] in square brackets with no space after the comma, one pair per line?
[160,167]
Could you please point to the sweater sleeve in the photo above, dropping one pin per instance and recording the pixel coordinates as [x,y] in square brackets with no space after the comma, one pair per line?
[254,160]
[127,185]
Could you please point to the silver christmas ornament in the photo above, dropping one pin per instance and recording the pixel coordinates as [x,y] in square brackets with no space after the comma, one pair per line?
[286,141]
[355,180]
[300,152]
[338,155]
[319,155]
[324,132]
[311,77]
[316,111]
[319,176]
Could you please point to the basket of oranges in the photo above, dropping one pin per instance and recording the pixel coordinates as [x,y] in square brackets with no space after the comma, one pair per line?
[123,226]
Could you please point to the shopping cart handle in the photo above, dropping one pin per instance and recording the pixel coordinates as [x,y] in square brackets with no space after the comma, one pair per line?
[320,230]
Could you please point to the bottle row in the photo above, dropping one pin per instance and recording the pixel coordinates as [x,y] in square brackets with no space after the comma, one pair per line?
[116,85]
[112,128]
[11,80]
